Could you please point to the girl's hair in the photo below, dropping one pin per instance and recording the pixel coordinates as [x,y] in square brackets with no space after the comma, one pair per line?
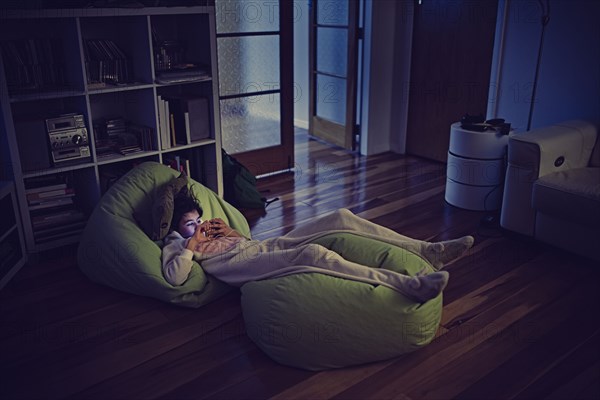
[183,203]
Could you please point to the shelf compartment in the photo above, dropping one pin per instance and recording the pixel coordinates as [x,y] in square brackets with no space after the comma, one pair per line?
[41,56]
[181,45]
[58,205]
[11,255]
[32,135]
[201,163]
[193,98]
[122,119]
[123,45]
[8,221]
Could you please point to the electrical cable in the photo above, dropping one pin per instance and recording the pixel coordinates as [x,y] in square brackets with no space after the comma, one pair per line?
[545,20]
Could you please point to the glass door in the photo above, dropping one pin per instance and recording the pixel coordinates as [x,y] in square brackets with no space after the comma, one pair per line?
[334,37]
[255,57]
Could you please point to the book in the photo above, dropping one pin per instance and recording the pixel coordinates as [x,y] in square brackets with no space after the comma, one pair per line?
[51,203]
[56,217]
[39,189]
[174,140]
[35,200]
[162,124]
[167,124]
[188,136]
[125,150]
[50,194]
[58,228]
[55,236]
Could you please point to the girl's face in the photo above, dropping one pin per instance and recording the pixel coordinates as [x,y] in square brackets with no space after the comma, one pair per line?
[188,223]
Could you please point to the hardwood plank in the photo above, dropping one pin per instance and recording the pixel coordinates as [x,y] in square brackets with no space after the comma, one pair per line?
[324,385]
[501,360]
[412,369]
[579,371]
[113,352]
[177,367]
[63,336]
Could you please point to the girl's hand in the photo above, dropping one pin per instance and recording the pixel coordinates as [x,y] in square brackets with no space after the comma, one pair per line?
[219,228]
[200,235]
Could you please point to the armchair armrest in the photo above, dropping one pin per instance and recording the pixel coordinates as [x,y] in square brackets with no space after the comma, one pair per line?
[536,153]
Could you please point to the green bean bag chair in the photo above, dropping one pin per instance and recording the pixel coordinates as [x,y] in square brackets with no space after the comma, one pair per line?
[115,251]
[314,321]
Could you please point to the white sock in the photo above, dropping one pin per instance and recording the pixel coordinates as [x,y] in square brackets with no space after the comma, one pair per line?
[441,253]
[426,287]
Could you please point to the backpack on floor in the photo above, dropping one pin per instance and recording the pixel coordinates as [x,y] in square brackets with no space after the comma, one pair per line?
[240,185]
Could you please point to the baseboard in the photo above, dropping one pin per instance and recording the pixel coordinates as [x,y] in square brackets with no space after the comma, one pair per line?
[299,123]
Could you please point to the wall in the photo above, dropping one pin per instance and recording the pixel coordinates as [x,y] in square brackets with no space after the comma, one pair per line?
[388,37]
[569,76]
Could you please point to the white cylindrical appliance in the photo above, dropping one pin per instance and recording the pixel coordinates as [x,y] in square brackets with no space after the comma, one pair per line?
[476,168]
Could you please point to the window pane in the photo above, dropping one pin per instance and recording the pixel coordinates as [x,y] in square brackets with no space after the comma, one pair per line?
[235,16]
[332,12]
[248,64]
[332,50]
[250,123]
[331,98]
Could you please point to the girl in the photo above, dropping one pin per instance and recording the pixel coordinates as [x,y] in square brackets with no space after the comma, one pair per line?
[230,257]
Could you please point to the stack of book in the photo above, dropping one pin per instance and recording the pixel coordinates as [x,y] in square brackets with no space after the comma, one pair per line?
[53,213]
[33,64]
[144,134]
[118,136]
[105,63]
[182,120]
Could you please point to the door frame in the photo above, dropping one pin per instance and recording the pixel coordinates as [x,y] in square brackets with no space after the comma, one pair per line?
[332,132]
[279,157]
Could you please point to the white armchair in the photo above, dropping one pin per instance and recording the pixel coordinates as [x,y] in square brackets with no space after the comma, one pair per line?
[552,186]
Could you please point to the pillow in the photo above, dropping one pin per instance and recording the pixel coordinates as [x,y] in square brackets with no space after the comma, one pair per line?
[162,209]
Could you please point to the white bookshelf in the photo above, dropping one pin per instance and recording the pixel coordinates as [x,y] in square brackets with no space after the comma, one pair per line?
[12,246]
[27,157]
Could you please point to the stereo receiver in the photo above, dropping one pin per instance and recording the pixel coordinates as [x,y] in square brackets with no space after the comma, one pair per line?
[68,138]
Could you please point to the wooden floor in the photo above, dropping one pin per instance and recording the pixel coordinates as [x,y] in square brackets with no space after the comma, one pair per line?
[520,319]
